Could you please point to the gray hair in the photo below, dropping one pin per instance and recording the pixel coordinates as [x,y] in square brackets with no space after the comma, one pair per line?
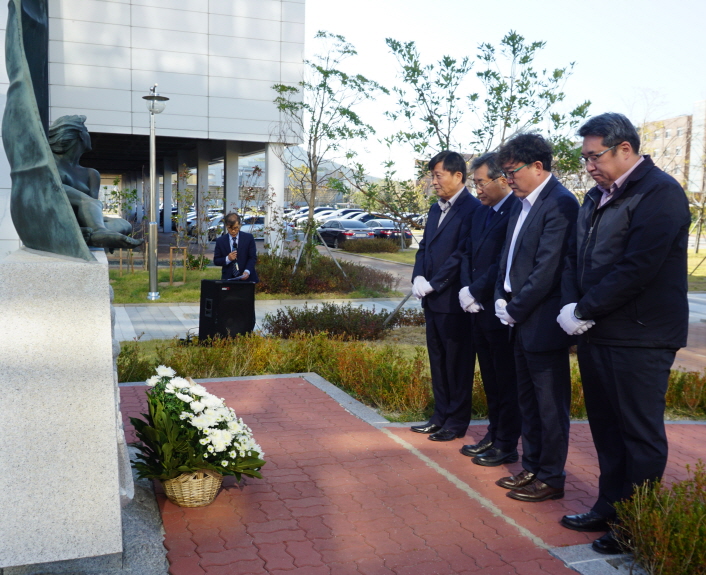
[490,160]
[614,129]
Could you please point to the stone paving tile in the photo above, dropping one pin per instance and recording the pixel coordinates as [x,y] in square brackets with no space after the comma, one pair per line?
[339,496]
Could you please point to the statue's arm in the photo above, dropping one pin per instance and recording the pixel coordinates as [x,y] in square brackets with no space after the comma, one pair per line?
[94,183]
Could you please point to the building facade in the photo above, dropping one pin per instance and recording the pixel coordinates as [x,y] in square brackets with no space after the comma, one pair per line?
[216,60]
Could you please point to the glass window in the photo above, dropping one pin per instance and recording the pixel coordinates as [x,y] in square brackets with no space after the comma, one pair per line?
[666,151]
[667,133]
[680,132]
[656,154]
[677,171]
[658,135]
[678,152]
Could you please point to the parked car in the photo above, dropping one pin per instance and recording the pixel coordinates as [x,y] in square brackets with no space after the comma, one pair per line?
[253,224]
[335,232]
[387,229]
[366,217]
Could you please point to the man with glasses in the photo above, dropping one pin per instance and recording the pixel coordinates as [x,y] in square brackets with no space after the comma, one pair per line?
[479,270]
[625,290]
[235,251]
[436,282]
[528,298]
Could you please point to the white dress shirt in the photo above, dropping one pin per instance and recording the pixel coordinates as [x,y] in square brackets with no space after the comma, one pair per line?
[449,203]
[527,204]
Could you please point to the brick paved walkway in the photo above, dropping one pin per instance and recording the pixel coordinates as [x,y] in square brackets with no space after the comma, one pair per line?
[341,497]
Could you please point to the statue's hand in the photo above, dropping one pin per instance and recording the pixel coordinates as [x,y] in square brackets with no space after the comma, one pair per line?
[87,234]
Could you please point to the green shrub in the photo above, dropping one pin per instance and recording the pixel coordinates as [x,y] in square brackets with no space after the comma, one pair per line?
[665,527]
[686,393]
[275,274]
[132,365]
[345,321]
[377,245]
[197,262]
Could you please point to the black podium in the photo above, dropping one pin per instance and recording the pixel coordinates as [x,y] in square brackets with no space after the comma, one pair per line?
[227,308]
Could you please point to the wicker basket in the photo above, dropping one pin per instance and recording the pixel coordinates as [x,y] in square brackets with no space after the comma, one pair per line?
[195,489]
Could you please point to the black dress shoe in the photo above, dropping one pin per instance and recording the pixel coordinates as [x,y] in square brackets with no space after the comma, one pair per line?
[589,521]
[425,428]
[523,478]
[494,457]
[473,450]
[535,492]
[607,545]
[445,435]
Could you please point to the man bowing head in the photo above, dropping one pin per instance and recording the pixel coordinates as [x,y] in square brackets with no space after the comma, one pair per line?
[436,281]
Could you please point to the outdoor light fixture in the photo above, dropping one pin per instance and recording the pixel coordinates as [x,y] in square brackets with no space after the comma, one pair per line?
[155,105]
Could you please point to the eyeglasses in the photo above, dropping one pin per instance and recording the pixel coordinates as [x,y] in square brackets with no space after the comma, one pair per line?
[593,158]
[510,175]
[482,185]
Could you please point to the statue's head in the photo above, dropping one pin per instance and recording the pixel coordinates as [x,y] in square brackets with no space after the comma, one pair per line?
[68,131]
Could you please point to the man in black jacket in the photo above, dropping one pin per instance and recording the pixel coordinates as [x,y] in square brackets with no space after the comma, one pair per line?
[479,270]
[625,291]
[436,282]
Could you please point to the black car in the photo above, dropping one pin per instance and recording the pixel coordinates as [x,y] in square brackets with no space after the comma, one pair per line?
[390,230]
[335,232]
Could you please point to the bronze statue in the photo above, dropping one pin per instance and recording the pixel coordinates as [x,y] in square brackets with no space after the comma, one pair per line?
[69,139]
[53,210]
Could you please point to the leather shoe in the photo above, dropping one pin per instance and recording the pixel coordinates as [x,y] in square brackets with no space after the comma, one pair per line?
[494,457]
[425,428]
[607,545]
[589,521]
[445,435]
[523,478]
[535,492]
[480,447]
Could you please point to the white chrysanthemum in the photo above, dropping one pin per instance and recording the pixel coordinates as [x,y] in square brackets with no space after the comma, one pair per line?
[232,454]
[154,380]
[197,406]
[180,382]
[210,448]
[197,389]
[185,398]
[211,401]
[164,371]
[224,463]
[204,420]
[204,440]
[235,427]
[185,415]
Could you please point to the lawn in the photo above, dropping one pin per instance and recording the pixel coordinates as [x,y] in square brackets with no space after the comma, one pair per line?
[406,257]
[697,281]
[133,288]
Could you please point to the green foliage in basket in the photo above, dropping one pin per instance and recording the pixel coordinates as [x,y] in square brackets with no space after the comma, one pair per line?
[188,429]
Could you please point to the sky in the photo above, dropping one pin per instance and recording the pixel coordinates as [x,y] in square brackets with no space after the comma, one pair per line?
[644,59]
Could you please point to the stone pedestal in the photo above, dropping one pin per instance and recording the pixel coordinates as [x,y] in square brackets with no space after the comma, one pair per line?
[60,495]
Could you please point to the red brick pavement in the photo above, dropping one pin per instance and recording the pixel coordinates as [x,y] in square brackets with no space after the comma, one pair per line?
[341,497]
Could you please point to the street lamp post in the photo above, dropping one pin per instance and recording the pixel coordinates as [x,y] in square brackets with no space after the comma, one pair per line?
[155,105]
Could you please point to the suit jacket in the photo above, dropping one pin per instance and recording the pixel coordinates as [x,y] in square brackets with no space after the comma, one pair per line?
[479,266]
[247,256]
[440,253]
[537,265]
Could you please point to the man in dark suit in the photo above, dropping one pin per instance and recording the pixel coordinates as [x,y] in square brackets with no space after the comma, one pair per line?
[235,251]
[436,282]
[528,297]
[625,291]
[479,272]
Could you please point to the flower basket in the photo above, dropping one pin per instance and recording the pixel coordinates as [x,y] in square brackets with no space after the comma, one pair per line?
[196,489]
[190,439]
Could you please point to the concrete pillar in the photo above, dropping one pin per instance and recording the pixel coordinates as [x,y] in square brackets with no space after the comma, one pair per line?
[274,184]
[183,203]
[202,195]
[230,176]
[140,204]
[167,187]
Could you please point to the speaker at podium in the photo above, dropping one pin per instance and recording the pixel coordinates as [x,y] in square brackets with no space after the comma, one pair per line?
[227,308]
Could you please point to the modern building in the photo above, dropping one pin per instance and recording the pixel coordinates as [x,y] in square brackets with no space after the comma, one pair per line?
[677,145]
[216,60]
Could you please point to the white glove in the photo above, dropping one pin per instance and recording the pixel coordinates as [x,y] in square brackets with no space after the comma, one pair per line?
[570,323]
[501,313]
[468,302]
[421,287]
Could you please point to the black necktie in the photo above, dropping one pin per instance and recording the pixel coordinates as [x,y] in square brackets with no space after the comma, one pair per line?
[236,272]
[491,213]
